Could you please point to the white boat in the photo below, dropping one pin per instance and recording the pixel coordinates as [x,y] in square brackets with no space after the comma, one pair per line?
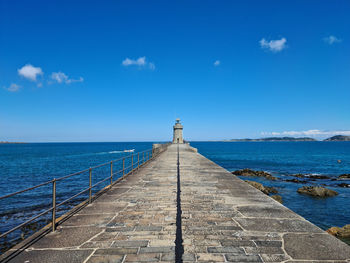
[129,151]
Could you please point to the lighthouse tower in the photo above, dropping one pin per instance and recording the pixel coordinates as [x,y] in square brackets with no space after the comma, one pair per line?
[177,138]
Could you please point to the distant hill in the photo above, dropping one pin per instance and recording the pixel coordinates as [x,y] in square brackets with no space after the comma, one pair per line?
[275,139]
[338,138]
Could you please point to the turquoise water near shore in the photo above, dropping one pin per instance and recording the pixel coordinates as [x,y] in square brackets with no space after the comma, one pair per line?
[25,165]
[282,159]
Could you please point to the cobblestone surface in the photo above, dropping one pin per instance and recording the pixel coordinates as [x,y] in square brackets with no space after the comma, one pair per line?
[223,220]
[227,220]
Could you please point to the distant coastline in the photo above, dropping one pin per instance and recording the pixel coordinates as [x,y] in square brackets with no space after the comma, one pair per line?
[291,139]
[11,142]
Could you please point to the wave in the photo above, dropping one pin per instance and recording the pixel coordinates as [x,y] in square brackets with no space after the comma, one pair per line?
[312,174]
[116,152]
[111,152]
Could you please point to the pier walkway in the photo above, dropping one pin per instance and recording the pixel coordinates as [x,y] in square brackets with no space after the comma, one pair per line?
[217,216]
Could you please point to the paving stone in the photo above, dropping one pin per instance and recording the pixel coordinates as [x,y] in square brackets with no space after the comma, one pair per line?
[168,257]
[273,211]
[160,242]
[225,250]
[97,244]
[134,243]
[263,250]
[57,256]
[149,228]
[238,243]
[167,249]
[268,243]
[188,257]
[280,225]
[242,258]
[315,246]
[102,208]
[274,257]
[88,220]
[210,257]
[67,237]
[106,259]
[116,251]
[147,257]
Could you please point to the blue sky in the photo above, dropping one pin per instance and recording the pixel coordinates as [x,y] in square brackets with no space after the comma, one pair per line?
[124,70]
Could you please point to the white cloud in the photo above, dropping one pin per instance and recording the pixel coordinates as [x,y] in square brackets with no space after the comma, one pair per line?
[307,133]
[141,62]
[331,40]
[217,63]
[151,66]
[273,45]
[30,72]
[13,87]
[61,77]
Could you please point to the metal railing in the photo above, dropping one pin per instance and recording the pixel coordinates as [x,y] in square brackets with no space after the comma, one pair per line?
[128,163]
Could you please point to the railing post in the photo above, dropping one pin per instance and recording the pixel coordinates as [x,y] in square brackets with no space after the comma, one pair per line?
[143,157]
[111,173]
[90,184]
[54,205]
[123,167]
[138,161]
[132,163]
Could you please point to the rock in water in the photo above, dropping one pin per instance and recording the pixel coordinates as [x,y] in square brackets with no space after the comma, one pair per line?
[264,189]
[278,198]
[319,177]
[342,232]
[271,190]
[296,181]
[317,191]
[298,175]
[249,172]
[344,176]
[258,186]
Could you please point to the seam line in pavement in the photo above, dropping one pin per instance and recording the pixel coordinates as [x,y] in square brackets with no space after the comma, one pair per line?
[179,249]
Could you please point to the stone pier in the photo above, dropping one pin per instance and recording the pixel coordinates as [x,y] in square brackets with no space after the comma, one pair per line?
[223,219]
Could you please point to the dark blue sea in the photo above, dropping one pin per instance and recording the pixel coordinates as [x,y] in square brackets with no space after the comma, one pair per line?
[25,165]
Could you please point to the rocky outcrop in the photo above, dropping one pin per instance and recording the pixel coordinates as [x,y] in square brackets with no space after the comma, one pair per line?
[311,177]
[344,176]
[278,198]
[341,232]
[298,175]
[317,191]
[296,181]
[264,189]
[344,185]
[249,172]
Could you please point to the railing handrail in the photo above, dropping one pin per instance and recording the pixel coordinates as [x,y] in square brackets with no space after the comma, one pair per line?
[67,176]
[54,206]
